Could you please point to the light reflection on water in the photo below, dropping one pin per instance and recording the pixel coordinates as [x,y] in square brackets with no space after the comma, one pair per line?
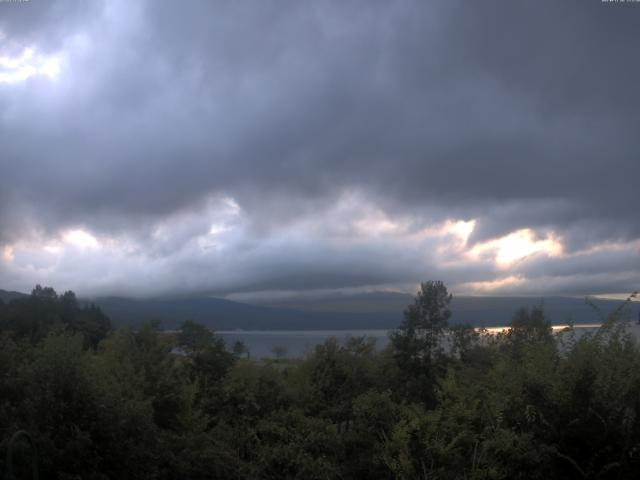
[295,343]
[556,328]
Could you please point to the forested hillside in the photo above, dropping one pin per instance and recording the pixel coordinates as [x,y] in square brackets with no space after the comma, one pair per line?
[102,403]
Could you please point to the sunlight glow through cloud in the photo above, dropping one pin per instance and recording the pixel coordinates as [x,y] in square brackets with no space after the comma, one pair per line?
[460,229]
[28,64]
[218,228]
[376,224]
[53,249]
[489,286]
[7,253]
[80,238]
[517,246]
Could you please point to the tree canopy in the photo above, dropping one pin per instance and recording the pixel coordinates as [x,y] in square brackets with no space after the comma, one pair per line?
[438,402]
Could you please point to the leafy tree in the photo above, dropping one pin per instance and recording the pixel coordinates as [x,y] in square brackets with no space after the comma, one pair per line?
[336,374]
[251,392]
[240,348]
[528,326]
[44,312]
[464,340]
[280,351]
[194,336]
[295,446]
[206,364]
[44,293]
[417,344]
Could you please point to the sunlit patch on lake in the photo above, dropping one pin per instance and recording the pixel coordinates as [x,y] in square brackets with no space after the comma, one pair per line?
[296,343]
[555,328]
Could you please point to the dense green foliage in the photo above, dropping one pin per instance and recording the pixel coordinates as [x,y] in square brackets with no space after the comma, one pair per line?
[437,403]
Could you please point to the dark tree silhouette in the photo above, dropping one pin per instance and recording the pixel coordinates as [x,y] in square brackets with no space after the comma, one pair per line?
[417,344]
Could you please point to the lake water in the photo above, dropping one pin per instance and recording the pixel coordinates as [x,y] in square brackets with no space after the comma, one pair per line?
[295,343]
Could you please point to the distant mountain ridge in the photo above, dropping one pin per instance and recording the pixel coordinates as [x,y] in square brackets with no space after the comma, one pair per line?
[7,296]
[377,310]
[221,314]
[359,312]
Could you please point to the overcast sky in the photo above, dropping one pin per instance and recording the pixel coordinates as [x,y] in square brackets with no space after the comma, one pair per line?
[279,148]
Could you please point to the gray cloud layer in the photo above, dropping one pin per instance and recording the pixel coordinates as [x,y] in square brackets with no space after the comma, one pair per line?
[518,115]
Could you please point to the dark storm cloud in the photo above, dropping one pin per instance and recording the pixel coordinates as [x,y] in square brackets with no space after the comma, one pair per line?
[520,115]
